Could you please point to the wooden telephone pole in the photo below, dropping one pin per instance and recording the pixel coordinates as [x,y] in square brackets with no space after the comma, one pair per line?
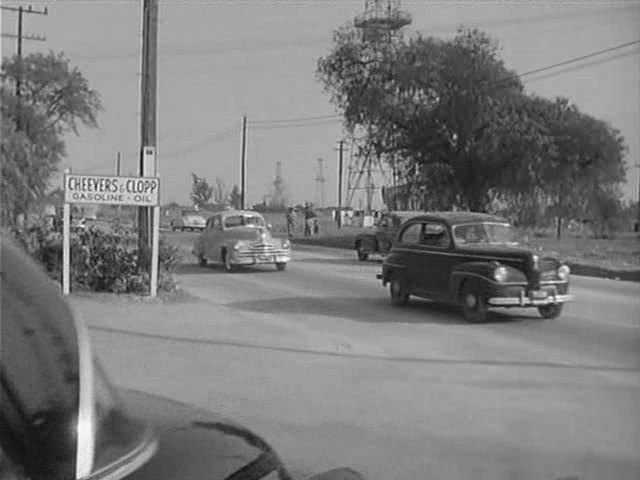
[148,99]
[243,164]
[20,37]
[340,170]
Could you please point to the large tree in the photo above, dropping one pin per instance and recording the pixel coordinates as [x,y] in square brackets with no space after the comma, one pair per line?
[54,99]
[457,126]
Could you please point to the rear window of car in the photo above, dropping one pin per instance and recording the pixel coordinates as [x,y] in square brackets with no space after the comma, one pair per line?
[412,233]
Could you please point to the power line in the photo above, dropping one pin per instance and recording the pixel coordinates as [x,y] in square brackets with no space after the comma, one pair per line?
[296,125]
[294,120]
[586,65]
[203,143]
[567,62]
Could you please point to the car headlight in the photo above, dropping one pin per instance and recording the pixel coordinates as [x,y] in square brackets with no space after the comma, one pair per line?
[286,244]
[563,272]
[500,274]
[236,246]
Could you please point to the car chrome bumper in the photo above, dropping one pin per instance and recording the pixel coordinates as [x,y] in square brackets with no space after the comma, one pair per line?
[523,301]
[260,259]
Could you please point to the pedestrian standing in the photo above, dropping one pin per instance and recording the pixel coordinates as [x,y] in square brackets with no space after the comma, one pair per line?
[291,222]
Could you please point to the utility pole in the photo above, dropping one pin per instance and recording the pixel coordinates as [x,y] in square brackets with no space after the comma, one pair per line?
[637,228]
[340,167]
[118,164]
[320,180]
[148,99]
[20,37]
[243,164]
[118,173]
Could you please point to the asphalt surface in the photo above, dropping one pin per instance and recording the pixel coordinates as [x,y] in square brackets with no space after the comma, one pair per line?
[317,360]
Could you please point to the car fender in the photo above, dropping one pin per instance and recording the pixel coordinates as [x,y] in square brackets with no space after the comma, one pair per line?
[480,273]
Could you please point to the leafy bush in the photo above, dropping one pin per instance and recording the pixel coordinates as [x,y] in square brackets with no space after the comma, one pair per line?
[101,260]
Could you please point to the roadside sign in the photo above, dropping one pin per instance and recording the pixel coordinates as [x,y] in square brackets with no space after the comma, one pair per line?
[112,190]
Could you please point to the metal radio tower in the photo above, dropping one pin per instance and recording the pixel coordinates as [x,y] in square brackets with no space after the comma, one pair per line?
[320,185]
[278,193]
[381,25]
[382,20]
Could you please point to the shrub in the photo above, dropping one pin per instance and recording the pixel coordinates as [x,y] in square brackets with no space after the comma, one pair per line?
[101,260]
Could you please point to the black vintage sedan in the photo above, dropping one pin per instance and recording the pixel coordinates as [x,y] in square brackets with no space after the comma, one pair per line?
[62,419]
[474,260]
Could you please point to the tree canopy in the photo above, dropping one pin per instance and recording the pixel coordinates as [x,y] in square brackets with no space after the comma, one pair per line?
[460,130]
[201,191]
[54,99]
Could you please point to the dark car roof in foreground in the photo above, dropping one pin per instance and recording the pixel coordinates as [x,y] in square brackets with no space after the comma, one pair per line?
[456,218]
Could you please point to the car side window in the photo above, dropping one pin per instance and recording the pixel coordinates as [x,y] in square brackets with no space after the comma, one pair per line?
[412,233]
[435,235]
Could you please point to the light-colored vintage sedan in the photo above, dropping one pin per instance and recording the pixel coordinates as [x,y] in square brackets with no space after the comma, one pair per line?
[240,237]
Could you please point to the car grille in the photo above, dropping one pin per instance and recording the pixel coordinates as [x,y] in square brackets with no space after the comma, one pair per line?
[262,249]
[548,275]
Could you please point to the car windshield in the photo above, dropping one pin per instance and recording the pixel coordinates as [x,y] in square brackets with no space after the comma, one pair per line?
[243,221]
[484,233]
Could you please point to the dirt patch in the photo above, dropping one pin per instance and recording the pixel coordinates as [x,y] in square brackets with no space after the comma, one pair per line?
[178,296]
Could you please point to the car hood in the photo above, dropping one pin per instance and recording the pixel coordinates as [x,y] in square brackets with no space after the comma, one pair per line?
[252,233]
[198,445]
[546,261]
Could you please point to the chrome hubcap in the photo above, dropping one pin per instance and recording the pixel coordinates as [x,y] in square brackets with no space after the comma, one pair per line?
[470,301]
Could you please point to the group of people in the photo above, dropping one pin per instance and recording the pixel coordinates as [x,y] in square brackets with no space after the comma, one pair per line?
[311,226]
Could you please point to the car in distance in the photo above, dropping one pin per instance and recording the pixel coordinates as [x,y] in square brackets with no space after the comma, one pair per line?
[62,419]
[188,222]
[380,240]
[240,237]
[474,260]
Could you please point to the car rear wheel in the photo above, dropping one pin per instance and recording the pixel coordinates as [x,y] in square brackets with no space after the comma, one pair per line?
[280,266]
[362,254]
[202,261]
[398,292]
[553,310]
[474,305]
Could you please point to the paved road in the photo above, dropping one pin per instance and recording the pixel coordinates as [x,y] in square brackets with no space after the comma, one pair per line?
[317,360]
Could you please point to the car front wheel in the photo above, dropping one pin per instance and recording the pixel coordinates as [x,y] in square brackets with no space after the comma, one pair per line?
[202,261]
[553,310]
[280,266]
[398,292]
[228,266]
[362,254]
[474,305]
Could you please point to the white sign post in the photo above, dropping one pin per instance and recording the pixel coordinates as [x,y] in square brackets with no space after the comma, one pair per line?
[149,170]
[110,190]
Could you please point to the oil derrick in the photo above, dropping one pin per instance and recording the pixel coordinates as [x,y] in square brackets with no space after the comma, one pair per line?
[319,197]
[381,25]
[278,194]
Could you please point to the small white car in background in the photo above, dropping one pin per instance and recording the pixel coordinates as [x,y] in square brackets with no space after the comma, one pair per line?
[240,237]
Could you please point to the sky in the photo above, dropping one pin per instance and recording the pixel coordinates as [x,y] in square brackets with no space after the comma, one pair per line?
[220,60]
